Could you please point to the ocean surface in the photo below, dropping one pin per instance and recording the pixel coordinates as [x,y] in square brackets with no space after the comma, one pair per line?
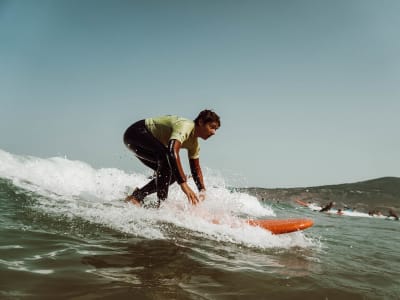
[66,234]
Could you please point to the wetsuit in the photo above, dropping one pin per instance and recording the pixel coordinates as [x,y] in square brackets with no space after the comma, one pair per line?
[154,143]
[327,207]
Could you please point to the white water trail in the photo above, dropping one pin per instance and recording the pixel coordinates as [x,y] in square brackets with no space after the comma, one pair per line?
[75,189]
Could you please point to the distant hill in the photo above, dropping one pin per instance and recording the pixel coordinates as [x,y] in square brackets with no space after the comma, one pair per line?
[381,193]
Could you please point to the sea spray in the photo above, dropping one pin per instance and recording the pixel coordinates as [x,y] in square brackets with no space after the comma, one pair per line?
[76,190]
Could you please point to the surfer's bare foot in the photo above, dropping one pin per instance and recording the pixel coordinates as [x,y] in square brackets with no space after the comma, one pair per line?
[133,200]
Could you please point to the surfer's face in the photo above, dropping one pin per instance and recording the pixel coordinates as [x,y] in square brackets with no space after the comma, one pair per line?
[205,130]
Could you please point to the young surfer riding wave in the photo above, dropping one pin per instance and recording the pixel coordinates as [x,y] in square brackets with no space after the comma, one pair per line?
[156,142]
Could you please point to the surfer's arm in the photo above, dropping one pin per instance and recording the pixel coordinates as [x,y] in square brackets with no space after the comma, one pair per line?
[174,147]
[173,155]
[197,174]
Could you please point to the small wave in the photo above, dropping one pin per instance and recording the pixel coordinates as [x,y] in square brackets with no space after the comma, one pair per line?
[20,266]
[8,247]
[77,190]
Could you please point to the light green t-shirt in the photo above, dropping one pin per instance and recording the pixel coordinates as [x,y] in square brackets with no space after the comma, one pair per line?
[166,128]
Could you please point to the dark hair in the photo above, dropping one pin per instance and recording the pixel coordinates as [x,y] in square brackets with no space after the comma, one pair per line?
[207,116]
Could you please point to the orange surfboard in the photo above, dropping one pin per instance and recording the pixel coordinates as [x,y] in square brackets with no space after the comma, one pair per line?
[283,225]
[302,203]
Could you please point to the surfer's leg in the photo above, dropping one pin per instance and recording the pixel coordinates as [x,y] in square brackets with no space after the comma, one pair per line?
[150,152]
[160,184]
[163,179]
[144,145]
[149,188]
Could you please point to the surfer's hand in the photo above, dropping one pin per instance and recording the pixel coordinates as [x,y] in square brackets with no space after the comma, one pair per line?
[202,195]
[192,197]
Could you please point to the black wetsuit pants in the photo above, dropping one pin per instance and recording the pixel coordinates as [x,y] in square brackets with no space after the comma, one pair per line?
[153,154]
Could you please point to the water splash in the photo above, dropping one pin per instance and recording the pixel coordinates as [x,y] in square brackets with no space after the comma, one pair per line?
[75,189]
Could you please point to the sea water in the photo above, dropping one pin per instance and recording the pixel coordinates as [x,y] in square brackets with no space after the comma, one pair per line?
[66,233]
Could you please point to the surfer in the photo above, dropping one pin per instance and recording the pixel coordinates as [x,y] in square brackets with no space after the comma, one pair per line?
[156,142]
[327,207]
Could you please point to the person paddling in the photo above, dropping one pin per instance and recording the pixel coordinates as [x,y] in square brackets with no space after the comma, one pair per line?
[328,206]
[157,142]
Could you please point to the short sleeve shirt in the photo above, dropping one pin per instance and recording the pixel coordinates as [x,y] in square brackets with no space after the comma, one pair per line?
[166,128]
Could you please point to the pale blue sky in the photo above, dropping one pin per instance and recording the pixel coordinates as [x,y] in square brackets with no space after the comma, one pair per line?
[308,91]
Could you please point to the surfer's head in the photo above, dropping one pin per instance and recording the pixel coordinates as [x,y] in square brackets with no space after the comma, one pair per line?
[207,116]
[207,123]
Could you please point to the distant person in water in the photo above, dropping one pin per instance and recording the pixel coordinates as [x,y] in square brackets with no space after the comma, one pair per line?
[339,211]
[375,212]
[157,142]
[393,214]
[327,207]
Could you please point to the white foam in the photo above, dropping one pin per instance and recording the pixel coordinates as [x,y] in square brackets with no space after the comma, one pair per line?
[75,189]
[20,266]
[7,247]
[345,212]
